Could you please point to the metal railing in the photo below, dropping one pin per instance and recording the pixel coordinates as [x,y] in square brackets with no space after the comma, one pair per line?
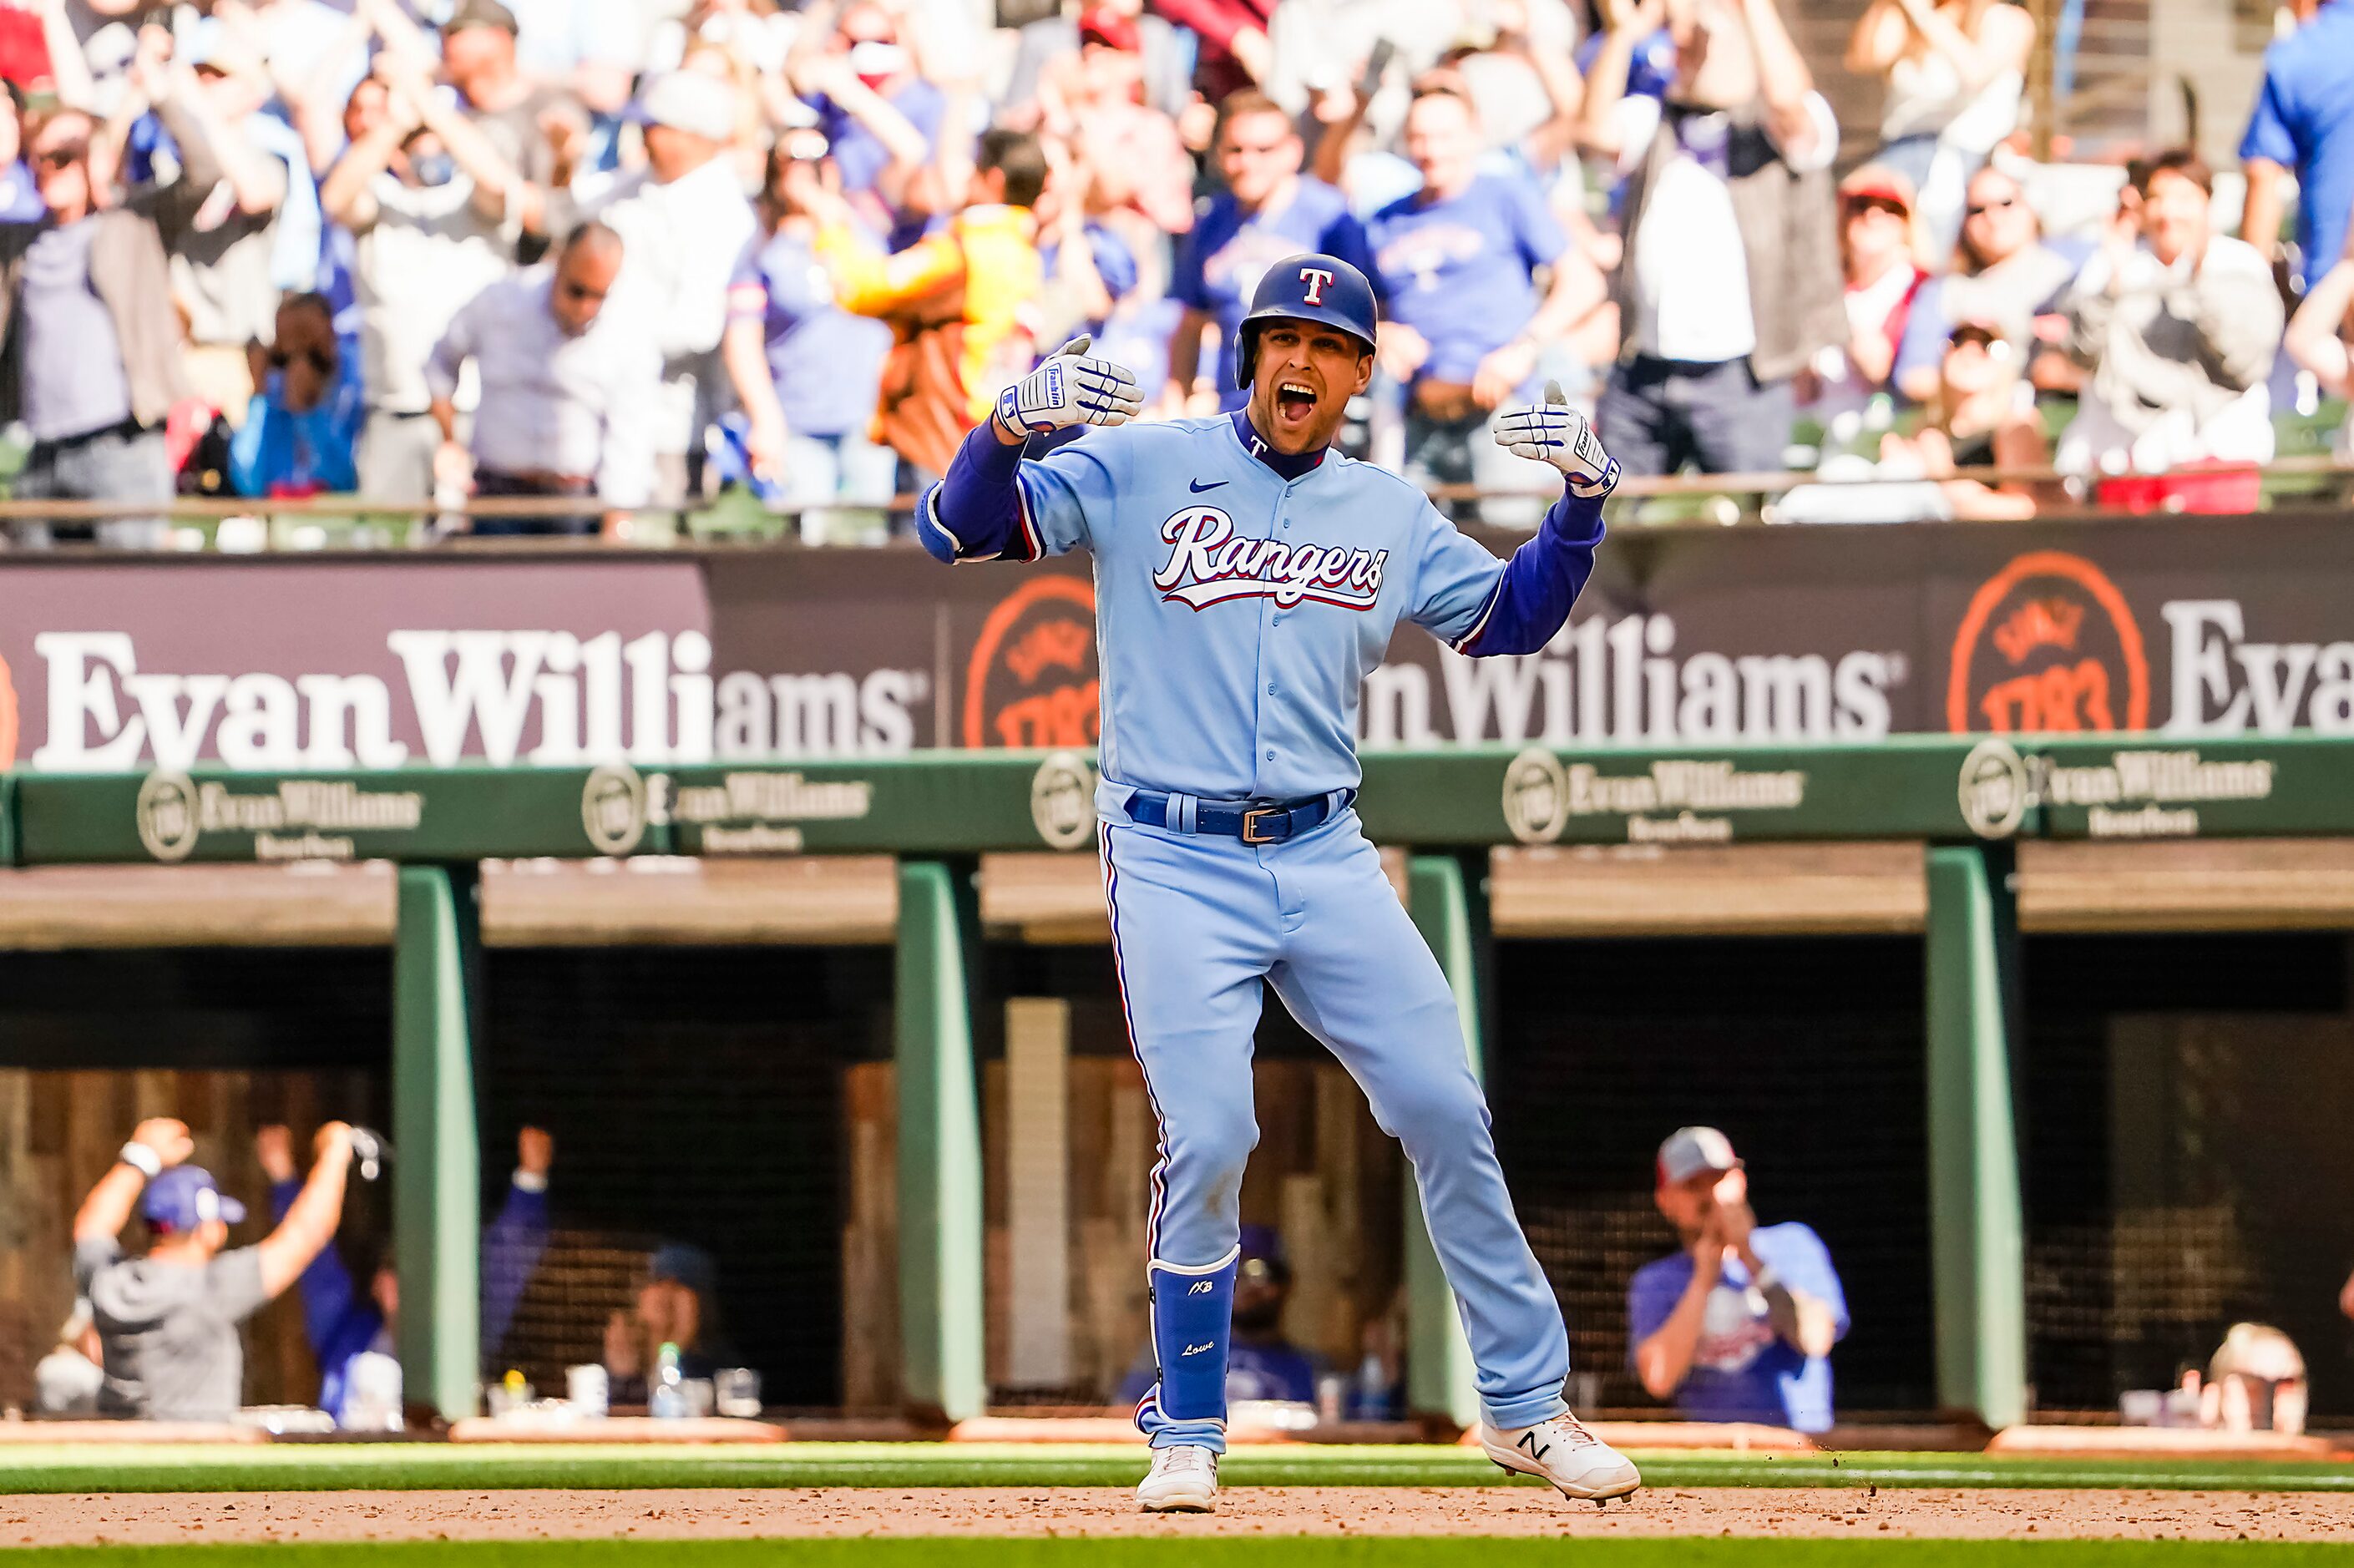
[354,522]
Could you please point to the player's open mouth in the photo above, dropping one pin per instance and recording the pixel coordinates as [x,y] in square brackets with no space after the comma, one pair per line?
[1294,400]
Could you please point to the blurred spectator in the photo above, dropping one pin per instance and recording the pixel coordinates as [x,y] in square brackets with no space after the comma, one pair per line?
[954,300]
[2255,1383]
[539,129]
[678,1305]
[300,435]
[1956,71]
[1731,282]
[1982,415]
[805,369]
[1096,104]
[1466,321]
[2303,125]
[685,224]
[96,358]
[1739,1326]
[1085,267]
[1232,40]
[2003,272]
[2176,327]
[1880,242]
[1261,1362]
[41,54]
[342,1324]
[425,241]
[592,48]
[168,1320]
[2345,1296]
[880,117]
[2318,340]
[20,193]
[65,1382]
[257,234]
[570,390]
[1267,211]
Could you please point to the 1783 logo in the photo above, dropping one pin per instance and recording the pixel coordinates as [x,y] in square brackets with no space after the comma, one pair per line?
[2047,646]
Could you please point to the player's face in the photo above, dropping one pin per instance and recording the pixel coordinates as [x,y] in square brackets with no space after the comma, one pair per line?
[1303,381]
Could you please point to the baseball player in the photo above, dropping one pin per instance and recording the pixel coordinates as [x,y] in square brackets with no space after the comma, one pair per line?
[1248,577]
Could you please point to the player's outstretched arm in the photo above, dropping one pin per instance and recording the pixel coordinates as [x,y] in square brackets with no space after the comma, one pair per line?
[975,512]
[1541,581]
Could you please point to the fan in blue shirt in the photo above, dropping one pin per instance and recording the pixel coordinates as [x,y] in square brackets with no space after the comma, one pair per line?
[1739,1326]
[1268,212]
[2303,122]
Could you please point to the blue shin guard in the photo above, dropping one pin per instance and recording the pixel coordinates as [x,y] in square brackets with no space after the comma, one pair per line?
[1192,1319]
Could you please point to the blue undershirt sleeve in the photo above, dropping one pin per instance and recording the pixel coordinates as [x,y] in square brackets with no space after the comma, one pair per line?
[1014,504]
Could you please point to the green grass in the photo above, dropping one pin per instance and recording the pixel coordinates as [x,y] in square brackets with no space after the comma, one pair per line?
[416,1466]
[1460,1552]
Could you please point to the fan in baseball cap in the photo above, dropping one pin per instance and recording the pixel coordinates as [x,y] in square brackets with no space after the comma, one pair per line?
[688,101]
[1689,1151]
[185,1197]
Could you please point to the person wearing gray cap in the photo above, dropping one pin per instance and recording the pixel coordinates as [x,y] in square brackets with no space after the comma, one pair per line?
[168,1321]
[1739,1325]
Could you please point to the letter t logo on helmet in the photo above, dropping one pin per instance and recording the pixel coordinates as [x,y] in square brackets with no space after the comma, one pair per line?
[1315,278]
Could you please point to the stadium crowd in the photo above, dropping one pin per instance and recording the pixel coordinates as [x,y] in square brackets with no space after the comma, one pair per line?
[625,253]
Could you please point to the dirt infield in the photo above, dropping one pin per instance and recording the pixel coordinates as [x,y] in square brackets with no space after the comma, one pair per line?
[157,1519]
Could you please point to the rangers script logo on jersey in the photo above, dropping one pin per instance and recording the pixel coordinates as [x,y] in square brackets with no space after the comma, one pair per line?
[1208,565]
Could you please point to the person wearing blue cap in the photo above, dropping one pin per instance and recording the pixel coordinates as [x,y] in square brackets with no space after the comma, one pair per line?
[168,1321]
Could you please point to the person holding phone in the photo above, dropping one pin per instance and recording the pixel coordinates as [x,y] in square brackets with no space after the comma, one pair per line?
[1739,1325]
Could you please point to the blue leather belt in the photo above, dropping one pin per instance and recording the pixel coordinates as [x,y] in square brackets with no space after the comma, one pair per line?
[1253,822]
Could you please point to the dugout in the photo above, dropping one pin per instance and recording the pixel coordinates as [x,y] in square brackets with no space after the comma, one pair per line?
[690,1059]
[979,1021]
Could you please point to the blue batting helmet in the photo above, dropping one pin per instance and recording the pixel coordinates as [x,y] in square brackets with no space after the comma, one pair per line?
[1308,288]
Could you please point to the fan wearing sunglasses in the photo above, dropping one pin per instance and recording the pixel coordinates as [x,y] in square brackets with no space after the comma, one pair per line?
[1982,416]
[2003,272]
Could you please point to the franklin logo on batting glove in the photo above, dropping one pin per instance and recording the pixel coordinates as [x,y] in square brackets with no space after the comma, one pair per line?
[1069,389]
[1557,434]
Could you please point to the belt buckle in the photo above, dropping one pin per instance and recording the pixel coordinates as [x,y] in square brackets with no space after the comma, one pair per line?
[1250,824]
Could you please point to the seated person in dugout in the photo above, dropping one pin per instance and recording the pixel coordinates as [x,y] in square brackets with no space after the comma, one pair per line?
[1261,1363]
[2256,1383]
[677,1305]
[168,1320]
[1739,1326]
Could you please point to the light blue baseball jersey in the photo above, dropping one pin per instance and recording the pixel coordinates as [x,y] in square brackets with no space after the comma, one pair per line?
[1237,613]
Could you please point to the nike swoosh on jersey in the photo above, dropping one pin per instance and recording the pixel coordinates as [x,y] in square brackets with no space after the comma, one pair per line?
[1196,486]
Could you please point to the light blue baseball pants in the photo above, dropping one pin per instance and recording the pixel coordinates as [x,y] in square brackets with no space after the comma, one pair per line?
[1198,922]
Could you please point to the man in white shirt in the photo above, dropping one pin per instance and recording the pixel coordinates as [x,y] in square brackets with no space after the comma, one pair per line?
[686,223]
[1731,281]
[2177,326]
[571,386]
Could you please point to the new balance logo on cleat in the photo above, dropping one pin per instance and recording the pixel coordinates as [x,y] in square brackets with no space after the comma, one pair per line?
[1529,1440]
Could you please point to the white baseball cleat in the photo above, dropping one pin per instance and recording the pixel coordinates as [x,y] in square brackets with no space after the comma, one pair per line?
[1564,1453]
[1183,1479]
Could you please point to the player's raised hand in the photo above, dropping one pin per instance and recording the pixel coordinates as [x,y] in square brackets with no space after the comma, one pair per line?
[1070,389]
[1557,434]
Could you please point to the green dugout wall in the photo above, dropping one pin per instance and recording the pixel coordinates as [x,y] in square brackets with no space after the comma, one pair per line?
[1968,803]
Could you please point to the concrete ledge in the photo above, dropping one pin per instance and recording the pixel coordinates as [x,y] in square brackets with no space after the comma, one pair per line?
[2162,1441]
[644,1429]
[44,1433]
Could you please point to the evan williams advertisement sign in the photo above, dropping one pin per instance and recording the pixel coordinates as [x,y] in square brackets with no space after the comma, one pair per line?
[2209,627]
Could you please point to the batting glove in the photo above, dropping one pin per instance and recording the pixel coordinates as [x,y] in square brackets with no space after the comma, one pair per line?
[1070,389]
[1557,434]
